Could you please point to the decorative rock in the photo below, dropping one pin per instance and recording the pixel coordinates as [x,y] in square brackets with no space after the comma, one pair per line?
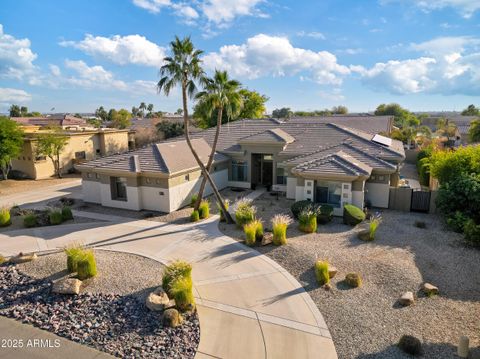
[267,238]
[172,318]
[406,299]
[364,235]
[429,289]
[353,280]
[23,258]
[463,345]
[410,345]
[157,300]
[67,286]
[332,271]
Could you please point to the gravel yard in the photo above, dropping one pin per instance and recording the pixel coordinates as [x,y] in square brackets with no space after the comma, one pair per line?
[367,322]
[8,187]
[109,314]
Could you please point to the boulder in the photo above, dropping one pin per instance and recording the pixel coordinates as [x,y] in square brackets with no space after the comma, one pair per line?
[67,286]
[157,300]
[406,299]
[353,280]
[23,258]
[429,289]
[364,235]
[171,318]
[332,271]
[267,238]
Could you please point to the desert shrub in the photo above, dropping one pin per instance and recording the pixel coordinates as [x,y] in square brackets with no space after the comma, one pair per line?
[324,214]
[472,232]
[193,199]
[308,220]
[457,221]
[176,270]
[245,212]
[250,230]
[373,226]
[258,229]
[353,280]
[195,216]
[299,206]
[280,224]
[67,213]
[55,217]
[352,215]
[74,254]
[181,290]
[204,209]
[420,224]
[5,219]
[410,345]
[447,166]
[321,272]
[30,220]
[222,215]
[86,265]
[2,259]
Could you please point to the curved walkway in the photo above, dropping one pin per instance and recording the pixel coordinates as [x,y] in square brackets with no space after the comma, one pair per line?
[249,306]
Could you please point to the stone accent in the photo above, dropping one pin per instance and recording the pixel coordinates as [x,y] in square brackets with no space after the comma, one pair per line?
[332,271]
[171,318]
[267,238]
[406,299]
[157,300]
[429,289]
[67,286]
[23,258]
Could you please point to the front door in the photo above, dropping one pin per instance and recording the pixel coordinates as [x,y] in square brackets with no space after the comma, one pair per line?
[267,173]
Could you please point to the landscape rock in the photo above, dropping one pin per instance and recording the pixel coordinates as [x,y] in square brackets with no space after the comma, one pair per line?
[172,318]
[157,300]
[410,345]
[22,258]
[67,286]
[353,280]
[364,235]
[267,238]
[332,271]
[406,299]
[429,289]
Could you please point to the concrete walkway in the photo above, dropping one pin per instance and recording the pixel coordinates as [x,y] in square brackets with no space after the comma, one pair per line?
[249,306]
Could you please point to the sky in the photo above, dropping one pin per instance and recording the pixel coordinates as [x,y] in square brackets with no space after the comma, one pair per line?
[74,56]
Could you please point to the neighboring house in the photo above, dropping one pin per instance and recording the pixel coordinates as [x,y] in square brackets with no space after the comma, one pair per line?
[83,145]
[462,123]
[66,122]
[305,159]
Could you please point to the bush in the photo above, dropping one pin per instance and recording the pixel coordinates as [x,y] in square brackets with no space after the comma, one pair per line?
[181,291]
[353,280]
[5,219]
[373,226]
[472,232]
[321,272]
[245,212]
[410,345]
[30,220]
[222,215]
[67,213]
[86,265]
[176,270]
[193,199]
[457,221]
[325,214]
[258,230]
[424,171]
[308,221]
[204,209]
[352,215]
[2,259]
[55,217]
[74,254]
[299,206]
[250,230]
[280,224]
[195,216]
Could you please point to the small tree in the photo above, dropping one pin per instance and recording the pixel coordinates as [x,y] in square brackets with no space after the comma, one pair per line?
[471,110]
[474,131]
[284,112]
[15,111]
[101,113]
[11,142]
[51,144]
[121,119]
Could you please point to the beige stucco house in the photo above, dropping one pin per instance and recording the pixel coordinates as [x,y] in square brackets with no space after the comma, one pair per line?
[334,160]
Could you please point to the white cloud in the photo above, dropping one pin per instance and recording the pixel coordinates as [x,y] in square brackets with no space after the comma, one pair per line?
[130,49]
[55,70]
[312,34]
[465,7]
[153,6]
[334,95]
[9,96]
[446,45]
[350,51]
[264,55]
[92,76]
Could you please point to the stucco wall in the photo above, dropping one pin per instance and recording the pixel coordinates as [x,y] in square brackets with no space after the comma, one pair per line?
[113,142]
[377,194]
[91,191]
[132,202]
[291,187]
[155,198]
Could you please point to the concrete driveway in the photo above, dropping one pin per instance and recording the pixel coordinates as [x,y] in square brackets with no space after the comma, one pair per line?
[249,306]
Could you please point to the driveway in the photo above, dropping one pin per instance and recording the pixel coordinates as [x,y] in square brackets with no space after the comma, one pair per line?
[249,306]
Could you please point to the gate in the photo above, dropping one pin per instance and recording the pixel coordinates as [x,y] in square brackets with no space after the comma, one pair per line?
[420,201]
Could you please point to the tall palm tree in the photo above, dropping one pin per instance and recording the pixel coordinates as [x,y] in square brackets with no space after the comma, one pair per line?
[183,68]
[142,107]
[221,94]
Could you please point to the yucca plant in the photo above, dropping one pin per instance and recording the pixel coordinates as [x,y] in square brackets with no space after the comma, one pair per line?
[5,219]
[280,224]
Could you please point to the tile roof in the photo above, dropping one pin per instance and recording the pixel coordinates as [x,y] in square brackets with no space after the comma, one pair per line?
[275,135]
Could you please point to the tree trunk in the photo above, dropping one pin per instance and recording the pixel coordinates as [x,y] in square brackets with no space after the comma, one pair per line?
[205,173]
[210,159]
[57,166]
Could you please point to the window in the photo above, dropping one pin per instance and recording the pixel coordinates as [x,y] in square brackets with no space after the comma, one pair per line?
[328,193]
[118,187]
[281,178]
[80,155]
[239,171]
[161,193]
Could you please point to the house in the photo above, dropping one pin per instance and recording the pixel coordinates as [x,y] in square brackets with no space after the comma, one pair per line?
[64,121]
[322,161]
[461,122]
[83,145]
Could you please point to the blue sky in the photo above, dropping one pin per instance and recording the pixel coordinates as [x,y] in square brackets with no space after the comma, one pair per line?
[77,55]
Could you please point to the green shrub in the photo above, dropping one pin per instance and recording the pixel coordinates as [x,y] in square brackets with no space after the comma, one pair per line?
[258,229]
[30,220]
[176,270]
[472,232]
[424,171]
[250,230]
[195,216]
[373,226]
[67,213]
[324,214]
[280,224]
[181,290]
[222,215]
[5,219]
[245,212]
[457,221]
[321,272]
[74,254]
[204,209]
[353,280]
[299,206]
[308,221]
[193,199]
[352,215]
[55,217]
[86,265]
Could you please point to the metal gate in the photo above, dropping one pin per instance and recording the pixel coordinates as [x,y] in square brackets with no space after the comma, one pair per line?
[420,201]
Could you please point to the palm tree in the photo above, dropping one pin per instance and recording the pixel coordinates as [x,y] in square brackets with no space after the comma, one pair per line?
[142,107]
[221,94]
[183,68]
